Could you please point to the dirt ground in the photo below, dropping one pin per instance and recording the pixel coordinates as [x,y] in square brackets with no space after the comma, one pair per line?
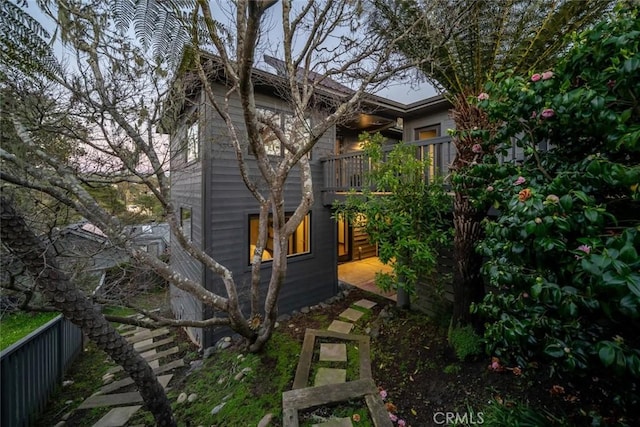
[422,376]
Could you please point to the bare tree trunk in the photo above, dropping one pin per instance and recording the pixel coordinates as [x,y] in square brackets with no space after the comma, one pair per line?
[64,296]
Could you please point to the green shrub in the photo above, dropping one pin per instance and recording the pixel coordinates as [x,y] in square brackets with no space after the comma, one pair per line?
[465,342]
[562,256]
[518,415]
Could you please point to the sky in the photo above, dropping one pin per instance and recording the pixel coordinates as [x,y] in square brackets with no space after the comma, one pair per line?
[406,93]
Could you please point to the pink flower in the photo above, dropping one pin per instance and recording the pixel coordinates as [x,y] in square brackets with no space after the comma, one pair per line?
[536,77]
[547,113]
[495,365]
[383,394]
[483,96]
[490,188]
[476,148]
[520,181]
[393,417]
[547,75]
[584,248]
[534,114]
[402,423]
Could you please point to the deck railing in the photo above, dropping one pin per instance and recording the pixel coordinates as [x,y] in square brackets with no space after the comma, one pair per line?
[346,172]
[32,368]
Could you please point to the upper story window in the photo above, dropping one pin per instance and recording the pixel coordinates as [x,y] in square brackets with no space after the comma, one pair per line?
[192,141]
[427,132]
[185,222]
[432,152]
[287,123]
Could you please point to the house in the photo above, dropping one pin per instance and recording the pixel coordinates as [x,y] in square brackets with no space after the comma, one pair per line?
[220,215]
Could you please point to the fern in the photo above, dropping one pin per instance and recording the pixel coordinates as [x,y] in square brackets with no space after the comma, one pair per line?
[24,47]
[157,23]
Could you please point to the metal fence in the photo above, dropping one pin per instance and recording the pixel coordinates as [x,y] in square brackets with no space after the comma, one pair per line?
[32,368]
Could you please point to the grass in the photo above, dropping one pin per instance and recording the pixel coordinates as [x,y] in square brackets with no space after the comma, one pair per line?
[86,373]
[246,400]
[16,326]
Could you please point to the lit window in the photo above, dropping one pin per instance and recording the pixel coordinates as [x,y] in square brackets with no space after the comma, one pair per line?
[299,241]
[431,152]
[185,222]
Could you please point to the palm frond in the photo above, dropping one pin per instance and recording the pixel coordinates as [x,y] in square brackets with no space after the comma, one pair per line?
[470,42]
[24,46]
[159,24]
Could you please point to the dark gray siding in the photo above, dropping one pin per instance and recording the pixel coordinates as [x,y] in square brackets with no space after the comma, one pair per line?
[310,277]
[186,192]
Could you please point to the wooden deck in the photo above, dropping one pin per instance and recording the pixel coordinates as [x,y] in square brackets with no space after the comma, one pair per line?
[362,274]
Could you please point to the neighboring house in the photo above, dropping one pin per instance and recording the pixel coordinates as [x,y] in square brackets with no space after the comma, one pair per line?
[219,214]
[85,251]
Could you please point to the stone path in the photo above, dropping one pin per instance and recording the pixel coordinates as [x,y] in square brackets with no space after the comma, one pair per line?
[330,384]
[126,404]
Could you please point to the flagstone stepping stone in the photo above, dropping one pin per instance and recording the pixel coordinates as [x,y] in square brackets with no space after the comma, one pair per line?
[117,417]
[336,422]
[333,352]
[351,314]
[327,376]
[128,381]
[365,303]
[149,353]
[155,344]
[119,399]
[144,343]
[131,330]
[305,361]
[156,356]
[340,326]
[145,335]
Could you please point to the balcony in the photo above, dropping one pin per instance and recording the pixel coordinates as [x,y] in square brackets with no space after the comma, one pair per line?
[346,172]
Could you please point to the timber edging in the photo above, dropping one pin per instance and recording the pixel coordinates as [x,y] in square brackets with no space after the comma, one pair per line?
[303,397]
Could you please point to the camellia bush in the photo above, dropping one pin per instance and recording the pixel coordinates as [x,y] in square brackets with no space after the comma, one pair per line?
[562,255]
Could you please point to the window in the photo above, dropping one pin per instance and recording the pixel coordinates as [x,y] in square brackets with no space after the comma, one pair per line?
[286,122]
[299,241]
[185,222]
[192,142]
[433,152]
[427,132]
[269,139]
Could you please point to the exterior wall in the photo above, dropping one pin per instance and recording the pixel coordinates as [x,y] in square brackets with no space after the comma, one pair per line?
[213,188]
[437,118]
[311,277]
[186,192]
